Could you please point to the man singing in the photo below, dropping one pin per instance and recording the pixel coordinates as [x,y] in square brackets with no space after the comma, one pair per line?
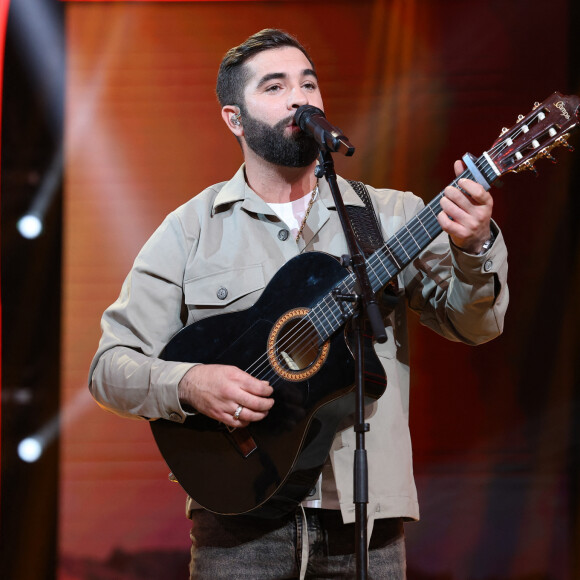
[216,253]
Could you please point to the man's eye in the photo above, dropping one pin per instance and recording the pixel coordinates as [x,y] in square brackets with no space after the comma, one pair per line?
[310,86]
[273,89]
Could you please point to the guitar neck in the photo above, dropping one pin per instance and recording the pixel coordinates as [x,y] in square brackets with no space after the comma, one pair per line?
[389,260]
[403,247]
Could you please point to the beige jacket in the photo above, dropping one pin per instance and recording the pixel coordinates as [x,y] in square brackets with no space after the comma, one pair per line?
[217,252]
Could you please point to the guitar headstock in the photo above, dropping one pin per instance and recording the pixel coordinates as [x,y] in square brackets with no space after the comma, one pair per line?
[534,136]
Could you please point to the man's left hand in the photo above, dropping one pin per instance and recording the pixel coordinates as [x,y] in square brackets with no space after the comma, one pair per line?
[466,213]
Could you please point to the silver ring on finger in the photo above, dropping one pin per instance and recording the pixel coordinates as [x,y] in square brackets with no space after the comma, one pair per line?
[238,412]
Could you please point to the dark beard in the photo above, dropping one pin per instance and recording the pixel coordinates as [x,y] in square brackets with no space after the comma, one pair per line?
[270,143]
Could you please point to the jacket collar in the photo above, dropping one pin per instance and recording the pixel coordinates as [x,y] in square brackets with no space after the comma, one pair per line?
[238,190]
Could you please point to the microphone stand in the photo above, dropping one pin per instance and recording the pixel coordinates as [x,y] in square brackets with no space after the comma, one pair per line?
[365,305]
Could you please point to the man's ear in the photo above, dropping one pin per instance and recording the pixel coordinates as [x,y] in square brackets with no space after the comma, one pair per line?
[232,118]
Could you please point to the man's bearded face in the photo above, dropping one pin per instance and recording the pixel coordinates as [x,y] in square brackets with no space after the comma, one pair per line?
[272,144]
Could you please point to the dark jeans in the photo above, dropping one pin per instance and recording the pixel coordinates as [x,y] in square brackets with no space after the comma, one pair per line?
[245,547]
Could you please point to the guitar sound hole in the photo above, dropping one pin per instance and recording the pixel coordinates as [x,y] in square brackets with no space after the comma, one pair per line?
[297,345]
[294,348]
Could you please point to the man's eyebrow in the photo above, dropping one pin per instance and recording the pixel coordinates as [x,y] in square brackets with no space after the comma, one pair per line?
[281,75]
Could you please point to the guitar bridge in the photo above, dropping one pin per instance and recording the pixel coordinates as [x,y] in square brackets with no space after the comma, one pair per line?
[242,440]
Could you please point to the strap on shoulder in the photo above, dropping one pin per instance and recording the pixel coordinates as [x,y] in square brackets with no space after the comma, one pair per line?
[368,233]
[364,221]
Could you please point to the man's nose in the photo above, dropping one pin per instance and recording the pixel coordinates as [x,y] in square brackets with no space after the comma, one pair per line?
[298,97]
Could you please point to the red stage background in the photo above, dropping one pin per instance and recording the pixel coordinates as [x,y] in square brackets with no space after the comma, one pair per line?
[414,84]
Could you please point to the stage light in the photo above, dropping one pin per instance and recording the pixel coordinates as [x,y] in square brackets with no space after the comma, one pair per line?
[29,226]
[38,30]
[30,449]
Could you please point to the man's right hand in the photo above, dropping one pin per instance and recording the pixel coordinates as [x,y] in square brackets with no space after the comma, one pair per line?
[218,390]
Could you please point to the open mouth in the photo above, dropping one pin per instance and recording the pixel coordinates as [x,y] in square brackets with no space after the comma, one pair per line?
[292,125]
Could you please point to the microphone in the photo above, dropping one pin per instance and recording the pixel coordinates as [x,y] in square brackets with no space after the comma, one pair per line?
[313,121]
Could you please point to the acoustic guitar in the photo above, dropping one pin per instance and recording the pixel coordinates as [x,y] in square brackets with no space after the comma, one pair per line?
[296,337]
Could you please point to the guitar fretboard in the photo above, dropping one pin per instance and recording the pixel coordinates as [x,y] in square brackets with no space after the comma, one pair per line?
[330,313]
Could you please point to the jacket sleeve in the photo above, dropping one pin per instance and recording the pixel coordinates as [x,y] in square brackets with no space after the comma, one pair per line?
[461,296]
[127,376]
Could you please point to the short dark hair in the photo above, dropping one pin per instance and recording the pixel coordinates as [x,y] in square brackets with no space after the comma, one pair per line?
[233,75]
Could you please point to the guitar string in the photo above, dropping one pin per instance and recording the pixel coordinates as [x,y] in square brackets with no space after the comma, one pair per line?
[307,335]
[304,334]
[306,329]
[417,240]
[299,330]
[376,258]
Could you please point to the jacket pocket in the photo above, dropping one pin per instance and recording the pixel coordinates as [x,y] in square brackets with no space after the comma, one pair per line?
[211,293]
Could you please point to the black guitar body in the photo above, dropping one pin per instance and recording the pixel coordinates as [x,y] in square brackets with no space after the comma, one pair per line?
[269,467]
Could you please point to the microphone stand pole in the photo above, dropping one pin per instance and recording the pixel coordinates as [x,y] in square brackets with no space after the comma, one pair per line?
[365,305]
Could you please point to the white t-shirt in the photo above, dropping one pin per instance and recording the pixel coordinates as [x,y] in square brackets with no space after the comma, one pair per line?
[292,212]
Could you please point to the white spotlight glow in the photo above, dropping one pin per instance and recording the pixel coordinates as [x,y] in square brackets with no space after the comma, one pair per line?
[30,449]
[30,226]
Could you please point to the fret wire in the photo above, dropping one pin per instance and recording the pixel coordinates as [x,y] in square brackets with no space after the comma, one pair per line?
[402,246]
[490,172]
[376,257]
[322,315]
[388,261]
[413,237]
[319,321]
[371,274]
[372,271]
[429,220]
[332,304]
[433,214]
[388,249]
[413,224]
[419,231]
[409,237]
[375,284]
[400,238]
[401,259]
[383,264]
[482,165]
[313,317]
[326,320]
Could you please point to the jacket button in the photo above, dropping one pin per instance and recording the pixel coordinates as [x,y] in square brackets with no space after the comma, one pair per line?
[283,235]
[488,265]
[222,293]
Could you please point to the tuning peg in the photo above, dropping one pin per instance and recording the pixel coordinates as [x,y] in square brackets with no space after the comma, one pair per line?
[550,157]
[563,142]
[528,166]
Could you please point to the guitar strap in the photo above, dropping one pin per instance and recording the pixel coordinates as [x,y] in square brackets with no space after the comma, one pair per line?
[364,221]
[367,231]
